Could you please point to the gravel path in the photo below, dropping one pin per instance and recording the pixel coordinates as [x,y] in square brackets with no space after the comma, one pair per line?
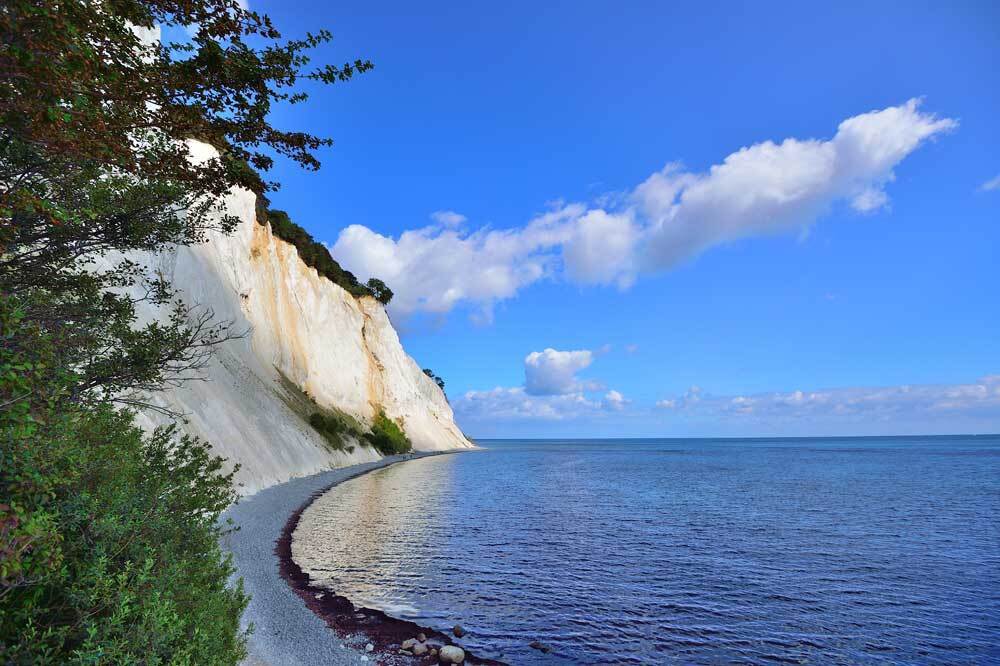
[285,631]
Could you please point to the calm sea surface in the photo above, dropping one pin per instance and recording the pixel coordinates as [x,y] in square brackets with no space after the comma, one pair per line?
[867,550]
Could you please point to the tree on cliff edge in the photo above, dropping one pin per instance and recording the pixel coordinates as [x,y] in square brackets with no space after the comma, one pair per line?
[108,537]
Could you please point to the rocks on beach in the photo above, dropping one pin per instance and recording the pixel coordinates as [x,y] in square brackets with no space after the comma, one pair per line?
[418,647]
[451,654]
[458,631]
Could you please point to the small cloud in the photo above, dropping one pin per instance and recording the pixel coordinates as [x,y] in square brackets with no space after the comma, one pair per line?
[448,218]
[614,400]
[631,349]
[553,372]
[990,185]
[602,350]
[666,404]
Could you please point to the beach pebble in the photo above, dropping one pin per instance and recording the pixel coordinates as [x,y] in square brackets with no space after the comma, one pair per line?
[434,652]
[421,637]
[369,648]
[538,645]
[451,654]
[419,649]
[409,643]
[406,652]
[458,631]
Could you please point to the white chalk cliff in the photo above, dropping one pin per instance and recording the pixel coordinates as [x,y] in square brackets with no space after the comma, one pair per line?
[306,336]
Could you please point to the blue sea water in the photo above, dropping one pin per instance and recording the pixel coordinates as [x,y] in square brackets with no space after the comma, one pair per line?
[823,551]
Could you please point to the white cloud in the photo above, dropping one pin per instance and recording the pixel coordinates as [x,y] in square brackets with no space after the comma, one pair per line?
[553,372]
[433,269]
[552,391]
[448,218]
[672,216]
[614,401]
[770,188]
[856,403]
[599,248]
[691,397]
[505,404]
[990,185]
[631,349]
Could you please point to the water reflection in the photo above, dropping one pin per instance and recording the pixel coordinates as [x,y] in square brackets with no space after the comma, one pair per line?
[393,528]
[668,551]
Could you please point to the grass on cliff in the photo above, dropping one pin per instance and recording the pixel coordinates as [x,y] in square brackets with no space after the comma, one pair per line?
[387,437]
[333,424]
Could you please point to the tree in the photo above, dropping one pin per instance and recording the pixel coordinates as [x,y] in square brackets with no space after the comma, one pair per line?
[108,537]
[94,160]
[379,290]
[437,380]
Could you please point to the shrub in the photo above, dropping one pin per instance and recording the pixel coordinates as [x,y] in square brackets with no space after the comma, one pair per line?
[332,429]
[387,437]
[109,538]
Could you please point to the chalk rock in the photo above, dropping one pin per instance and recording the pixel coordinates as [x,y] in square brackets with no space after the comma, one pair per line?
[307,340]
[451,654]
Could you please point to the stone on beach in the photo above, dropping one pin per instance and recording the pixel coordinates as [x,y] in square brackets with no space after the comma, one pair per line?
[409,643]
[419,649]
[458,631]
[422,637]
[369,648]
[451,654]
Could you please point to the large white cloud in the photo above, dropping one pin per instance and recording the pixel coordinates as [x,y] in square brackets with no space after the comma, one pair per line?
[769,188]
[433,269]
[672,216]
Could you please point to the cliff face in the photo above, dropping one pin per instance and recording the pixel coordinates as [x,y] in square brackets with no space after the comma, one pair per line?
[307,339]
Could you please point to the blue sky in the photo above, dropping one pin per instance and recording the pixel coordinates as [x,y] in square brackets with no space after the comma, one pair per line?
[844,281]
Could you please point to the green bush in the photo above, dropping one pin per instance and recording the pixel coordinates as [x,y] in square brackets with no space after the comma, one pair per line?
[109,538]
[387,437]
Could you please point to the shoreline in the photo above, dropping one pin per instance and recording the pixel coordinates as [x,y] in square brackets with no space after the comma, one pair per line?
[291,625]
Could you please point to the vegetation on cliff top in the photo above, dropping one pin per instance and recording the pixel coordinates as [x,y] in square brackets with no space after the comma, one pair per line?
[109,537]
[315,255]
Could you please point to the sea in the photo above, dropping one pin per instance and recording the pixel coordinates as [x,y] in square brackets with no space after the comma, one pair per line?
[681,551]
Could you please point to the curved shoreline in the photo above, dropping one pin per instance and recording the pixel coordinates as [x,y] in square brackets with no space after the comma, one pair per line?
[292,626]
